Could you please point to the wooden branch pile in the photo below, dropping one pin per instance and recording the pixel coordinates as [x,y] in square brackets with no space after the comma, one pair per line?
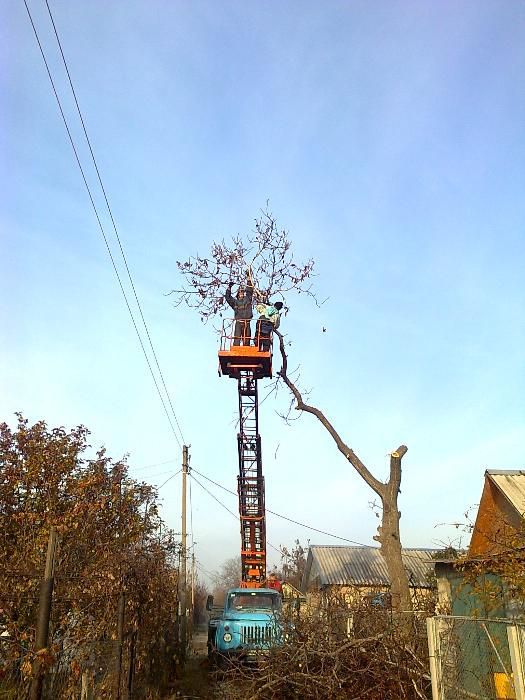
[319,660]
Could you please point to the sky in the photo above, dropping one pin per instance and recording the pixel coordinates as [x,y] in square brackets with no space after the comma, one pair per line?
[388,138]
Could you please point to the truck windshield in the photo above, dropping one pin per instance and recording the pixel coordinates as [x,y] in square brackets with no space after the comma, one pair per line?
[261,601]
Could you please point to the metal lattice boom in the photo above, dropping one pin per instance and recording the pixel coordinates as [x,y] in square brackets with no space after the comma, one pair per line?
[248,362]
[251,485]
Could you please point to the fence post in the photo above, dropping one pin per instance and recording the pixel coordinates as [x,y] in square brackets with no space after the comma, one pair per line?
[120,641]
[514,634]
[132,654]
[86,688]
[434,656]
[44,614]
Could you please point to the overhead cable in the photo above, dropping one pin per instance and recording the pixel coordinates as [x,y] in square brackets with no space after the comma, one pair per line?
[168,479]
[405,553]
[204,570]
[150,466]
[235,515]
[112,219]
[100,224]
[284,517]
[191,519]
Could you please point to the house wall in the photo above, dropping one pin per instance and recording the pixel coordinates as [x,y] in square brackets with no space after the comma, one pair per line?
[292,593]
[444,592]
[456,596]
[355,595]
[495,522]
[349,609]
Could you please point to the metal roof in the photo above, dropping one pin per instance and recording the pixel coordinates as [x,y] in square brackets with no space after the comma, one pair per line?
[511,483]
[364,566]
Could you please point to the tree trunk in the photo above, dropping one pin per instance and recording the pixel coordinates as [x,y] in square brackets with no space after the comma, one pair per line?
[389,538]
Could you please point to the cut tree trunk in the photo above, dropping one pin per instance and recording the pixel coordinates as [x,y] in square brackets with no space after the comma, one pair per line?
[389,538]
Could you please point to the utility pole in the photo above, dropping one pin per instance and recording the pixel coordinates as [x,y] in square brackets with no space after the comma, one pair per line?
[44,613]
[183,581]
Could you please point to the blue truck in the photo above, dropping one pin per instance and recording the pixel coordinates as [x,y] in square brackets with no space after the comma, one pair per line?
[246,627]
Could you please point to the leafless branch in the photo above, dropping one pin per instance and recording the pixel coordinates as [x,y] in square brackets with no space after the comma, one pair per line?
[364,473]
[322,659]
[263,258]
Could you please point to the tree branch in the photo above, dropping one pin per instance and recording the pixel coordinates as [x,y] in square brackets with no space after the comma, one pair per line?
[264,256]
[378,486]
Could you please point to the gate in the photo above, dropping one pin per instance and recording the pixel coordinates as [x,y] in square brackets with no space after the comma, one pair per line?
[476,658]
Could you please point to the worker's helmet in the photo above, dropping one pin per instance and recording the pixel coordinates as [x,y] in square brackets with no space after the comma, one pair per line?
[278,305]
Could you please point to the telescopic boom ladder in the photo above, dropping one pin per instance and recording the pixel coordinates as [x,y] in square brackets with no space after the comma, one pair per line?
[247,364]
[251,484]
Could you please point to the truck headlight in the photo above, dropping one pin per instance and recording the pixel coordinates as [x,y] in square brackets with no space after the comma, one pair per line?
[227,637]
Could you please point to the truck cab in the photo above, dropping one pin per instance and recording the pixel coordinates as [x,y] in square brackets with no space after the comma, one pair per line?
[248,625]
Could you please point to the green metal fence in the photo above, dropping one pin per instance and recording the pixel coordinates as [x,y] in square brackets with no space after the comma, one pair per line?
[476,658]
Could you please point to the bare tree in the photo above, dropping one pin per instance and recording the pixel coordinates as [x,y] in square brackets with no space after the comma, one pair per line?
[293,563]
[228,576]
[388,534]
[266,257]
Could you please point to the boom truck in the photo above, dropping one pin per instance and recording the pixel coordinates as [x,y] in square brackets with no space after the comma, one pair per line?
[248,623]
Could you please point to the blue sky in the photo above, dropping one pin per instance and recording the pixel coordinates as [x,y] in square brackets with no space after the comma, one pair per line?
[389,139]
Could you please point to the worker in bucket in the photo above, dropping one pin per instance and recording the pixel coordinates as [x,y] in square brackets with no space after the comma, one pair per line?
[269,318]
[242,309]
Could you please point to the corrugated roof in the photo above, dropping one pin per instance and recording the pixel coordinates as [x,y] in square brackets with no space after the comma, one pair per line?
[512,485]
[365,566]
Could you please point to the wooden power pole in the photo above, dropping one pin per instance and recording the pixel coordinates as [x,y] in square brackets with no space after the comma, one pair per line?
[183,575]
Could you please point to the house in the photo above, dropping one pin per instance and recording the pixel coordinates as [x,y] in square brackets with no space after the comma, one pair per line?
[473,586]
[500,513]
[483,593]
[291,593]
[360,573]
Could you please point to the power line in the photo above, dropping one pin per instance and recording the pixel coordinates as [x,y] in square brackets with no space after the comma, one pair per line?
[233,493]
[168,479]
[273,547]
[315,529]
[150,466]
[406,555]
[404,552]
[112,219]
[155,475]
[204,570]
[284,517]
[99,220]
[235,515]
[191,517]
